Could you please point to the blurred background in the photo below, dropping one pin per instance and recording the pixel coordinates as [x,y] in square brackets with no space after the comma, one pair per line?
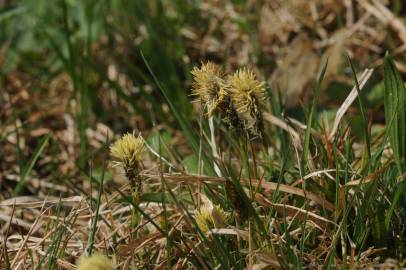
[84,71]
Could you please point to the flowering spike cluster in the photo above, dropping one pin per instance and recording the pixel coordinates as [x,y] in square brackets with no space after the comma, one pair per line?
[209,217]
[128,150]
[238,98]
[95,262]
[208,85]
[248,95]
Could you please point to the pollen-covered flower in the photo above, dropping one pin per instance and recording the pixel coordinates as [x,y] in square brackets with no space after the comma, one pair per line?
[210,216]
[128,150]
[208,85]
[248,96]
[95,262]
[203,218]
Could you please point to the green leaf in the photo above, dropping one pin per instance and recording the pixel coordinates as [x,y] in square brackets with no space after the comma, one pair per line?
[185,126]
[28,168]
[157,145]
[363,112]
[154,197]
[310,120]
[395,111]
[395,117]
[191,164]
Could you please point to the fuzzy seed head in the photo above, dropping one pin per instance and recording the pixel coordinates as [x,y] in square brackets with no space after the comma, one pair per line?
[248,95]
[203,219]
[208,86]
[95,262]
[128,150]
[219,216]
[209,217]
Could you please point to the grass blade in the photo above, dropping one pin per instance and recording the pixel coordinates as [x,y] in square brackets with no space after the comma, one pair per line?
[363,113]
[27,170]
[310,120]
[184,125]
[395,101]
[395,117]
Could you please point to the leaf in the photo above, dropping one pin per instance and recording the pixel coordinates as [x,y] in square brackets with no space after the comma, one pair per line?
[395,111]
[395,117]
[185,126]
[159,146]
[7,13]
[363,112]
[191,164]
[28,168]
[310,120]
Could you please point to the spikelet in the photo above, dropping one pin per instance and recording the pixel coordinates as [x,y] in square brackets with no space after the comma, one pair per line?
[219,217]
[208,86]
[232,119]
[203,218]
[128,150]
[95,262]
[209,217]
[248,96]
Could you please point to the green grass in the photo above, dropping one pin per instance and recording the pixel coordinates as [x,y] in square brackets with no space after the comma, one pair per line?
[78,74]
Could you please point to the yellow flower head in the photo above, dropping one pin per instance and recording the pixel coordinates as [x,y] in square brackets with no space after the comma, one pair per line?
[208,85]
[128,149]
[203,219]
[248,95]
[210,217]
[219,217]
[95,262]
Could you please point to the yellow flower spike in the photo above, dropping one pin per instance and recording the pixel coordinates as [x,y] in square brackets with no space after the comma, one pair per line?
[248,95]
[219,217]
[203,219]
[95,262]
[209,217]
[208,85]
[128,149]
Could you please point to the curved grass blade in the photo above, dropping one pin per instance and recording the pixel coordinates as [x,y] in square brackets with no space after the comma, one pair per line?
[363,109]
[310,120]
[27,170]
[181,119]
